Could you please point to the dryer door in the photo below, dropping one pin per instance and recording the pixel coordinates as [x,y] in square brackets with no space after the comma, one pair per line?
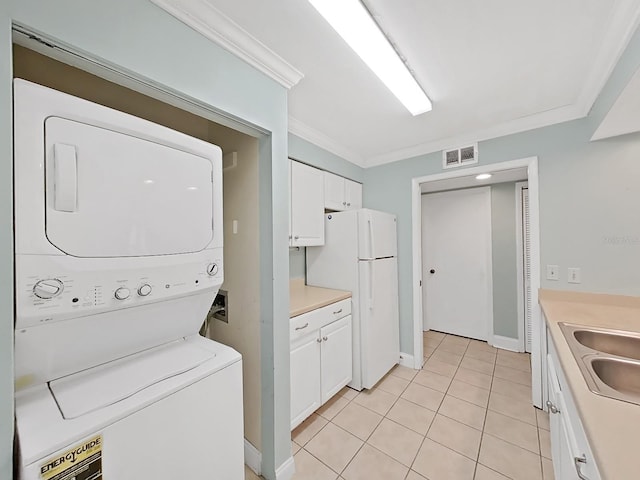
[110,194]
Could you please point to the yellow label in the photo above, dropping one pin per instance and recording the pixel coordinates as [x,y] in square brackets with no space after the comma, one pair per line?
[82,457]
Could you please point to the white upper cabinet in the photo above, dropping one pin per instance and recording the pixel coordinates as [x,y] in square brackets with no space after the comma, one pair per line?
[353,194]
[340,193]
[307,206]
[334,192]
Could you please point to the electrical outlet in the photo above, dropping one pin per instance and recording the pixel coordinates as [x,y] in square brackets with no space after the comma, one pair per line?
[553,272]
[573,275]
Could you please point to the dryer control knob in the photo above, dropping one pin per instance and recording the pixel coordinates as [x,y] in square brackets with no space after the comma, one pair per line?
[49,288]
[212,269]
[144,290]
[122,293]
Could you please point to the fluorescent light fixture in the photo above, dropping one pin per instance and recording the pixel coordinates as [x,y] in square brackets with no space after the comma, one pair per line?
[354,24]
[483,176]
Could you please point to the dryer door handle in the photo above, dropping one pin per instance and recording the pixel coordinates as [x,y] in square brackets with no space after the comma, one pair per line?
[65,174]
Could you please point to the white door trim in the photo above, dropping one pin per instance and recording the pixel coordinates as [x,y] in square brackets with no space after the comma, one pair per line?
[531,163]
[520,266]
[485,191]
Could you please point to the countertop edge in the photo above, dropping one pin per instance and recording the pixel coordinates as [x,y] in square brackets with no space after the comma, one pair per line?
[306,298]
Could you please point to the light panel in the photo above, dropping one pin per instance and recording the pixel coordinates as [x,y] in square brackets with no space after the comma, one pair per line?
[483,176]
[354,24]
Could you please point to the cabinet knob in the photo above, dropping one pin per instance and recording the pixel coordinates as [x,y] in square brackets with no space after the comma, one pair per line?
[325,338]
[296,237]
[344,203]
[348,204]
[552,408]
[318,340]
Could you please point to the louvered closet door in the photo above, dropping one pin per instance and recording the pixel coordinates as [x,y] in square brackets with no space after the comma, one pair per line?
[526,231]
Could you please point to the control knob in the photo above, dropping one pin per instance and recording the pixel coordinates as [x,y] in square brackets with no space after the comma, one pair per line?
[144,290]
[49,288]
[212,269]
[122,293]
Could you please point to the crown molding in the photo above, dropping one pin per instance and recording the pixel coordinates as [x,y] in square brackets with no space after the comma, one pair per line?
[304,131]
[531,122]
[220,29]
[625,18]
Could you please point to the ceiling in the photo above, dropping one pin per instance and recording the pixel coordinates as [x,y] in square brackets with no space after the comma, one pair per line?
[490,67]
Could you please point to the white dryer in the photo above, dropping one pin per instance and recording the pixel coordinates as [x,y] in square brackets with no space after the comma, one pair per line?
[118,254]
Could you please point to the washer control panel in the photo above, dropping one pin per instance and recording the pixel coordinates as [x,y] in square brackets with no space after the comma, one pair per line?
[47,291]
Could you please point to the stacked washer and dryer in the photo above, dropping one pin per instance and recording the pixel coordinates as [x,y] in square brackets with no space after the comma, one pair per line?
[118,257]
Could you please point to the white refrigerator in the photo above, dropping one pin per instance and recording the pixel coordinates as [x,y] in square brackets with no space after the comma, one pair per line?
[359,255]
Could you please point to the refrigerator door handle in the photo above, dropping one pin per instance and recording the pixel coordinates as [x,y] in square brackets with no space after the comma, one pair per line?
[371,283]
[372,253]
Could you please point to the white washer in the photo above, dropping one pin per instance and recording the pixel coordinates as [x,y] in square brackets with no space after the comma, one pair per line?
[118,257]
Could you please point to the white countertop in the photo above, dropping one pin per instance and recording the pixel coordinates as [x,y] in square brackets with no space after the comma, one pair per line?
[304,298]
[612,426]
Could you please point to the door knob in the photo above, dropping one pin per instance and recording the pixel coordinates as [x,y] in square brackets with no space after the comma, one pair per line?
[432,271]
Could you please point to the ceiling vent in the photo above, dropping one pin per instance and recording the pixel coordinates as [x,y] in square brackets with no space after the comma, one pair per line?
[460,156]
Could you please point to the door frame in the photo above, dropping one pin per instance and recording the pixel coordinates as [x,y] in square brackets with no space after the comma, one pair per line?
[531,163]
[488,255]
[520,266]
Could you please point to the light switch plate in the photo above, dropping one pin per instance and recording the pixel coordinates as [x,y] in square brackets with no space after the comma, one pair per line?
[573,275]
[553,272]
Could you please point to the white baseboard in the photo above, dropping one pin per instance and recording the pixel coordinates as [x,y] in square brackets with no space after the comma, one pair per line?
[407,360]
[506,343]
[286,470]
[252,457]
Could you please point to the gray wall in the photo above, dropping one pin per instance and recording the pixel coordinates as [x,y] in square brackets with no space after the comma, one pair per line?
[588,198]
[6,248]
[297,263]
[504,259]
[300,149]
[141,38]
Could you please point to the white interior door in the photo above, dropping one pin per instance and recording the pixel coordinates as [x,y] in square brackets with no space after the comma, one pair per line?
[456,252]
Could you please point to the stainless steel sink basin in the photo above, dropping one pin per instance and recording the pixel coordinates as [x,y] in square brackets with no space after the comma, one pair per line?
[608,359]
[621,375]
[622,344]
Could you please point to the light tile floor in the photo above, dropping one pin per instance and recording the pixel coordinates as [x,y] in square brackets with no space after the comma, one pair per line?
[466,415]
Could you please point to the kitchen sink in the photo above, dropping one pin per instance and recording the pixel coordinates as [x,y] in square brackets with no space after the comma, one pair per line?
[621,375]
[608,359]
[623,344]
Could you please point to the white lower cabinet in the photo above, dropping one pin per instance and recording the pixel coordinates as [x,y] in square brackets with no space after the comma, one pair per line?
[335,357]
[305,380]
[570,451]
[321,358]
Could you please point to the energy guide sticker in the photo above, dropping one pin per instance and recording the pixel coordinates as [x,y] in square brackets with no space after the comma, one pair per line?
[82,462]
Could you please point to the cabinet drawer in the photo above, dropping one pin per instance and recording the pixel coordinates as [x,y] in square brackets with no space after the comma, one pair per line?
[318,318]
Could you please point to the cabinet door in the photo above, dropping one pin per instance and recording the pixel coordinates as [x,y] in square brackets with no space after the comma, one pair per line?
[335,357]
[305,378]
[307,205]
[353,194]
[334,192]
